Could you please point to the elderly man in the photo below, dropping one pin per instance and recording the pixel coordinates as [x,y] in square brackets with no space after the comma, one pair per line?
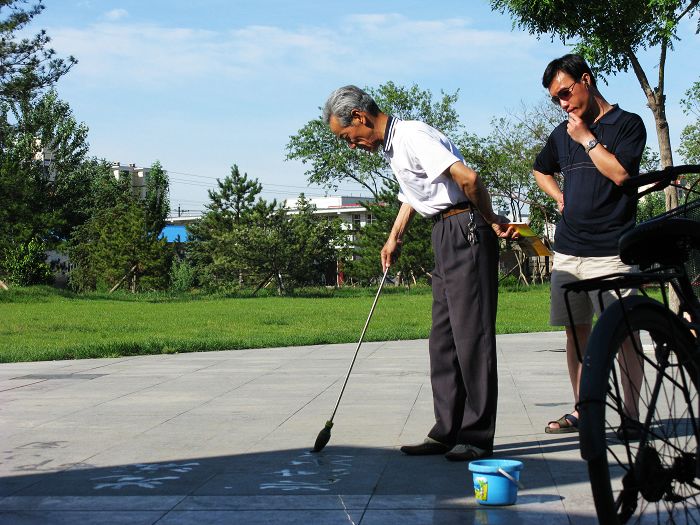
[435,182]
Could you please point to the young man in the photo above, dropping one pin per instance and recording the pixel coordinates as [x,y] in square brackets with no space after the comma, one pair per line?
[435,182]
[595,150]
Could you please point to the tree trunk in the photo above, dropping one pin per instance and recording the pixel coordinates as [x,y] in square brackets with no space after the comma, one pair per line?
[657,104]
[656,101]
[665,151]
[521,259]
[280,284]
[133,269]
[263,283]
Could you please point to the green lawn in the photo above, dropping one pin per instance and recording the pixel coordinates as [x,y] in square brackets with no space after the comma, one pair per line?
[43,324]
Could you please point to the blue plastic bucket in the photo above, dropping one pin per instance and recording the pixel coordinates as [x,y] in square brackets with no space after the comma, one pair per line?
[496,480]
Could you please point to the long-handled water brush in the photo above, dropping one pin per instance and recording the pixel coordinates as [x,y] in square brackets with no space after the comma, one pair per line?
[325,435]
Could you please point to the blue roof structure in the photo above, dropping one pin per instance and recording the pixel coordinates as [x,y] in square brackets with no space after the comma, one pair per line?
[174,233]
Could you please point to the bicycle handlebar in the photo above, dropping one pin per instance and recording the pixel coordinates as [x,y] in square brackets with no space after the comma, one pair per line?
[660,179]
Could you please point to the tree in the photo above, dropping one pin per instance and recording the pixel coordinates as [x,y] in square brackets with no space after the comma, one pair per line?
[76,193]
[610,35]
[24,264]
[114,246]
[41,180]
[45,126]
[504,160]
[31,124]
[21,183]
[114,241]
[35,126]
[238,194]
[293,248]
[156,202]
[27,65]
[653,203]
[416,260]
[690,137]
[316,245]
[40,153]
[262,247]
[232,204]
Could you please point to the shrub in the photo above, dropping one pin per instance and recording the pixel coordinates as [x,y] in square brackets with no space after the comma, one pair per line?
[25,264]
[181,276]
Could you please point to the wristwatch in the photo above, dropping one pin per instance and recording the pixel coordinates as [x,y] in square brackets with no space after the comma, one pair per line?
[591,144]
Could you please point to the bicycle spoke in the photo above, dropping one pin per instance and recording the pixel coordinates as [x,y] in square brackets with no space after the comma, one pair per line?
[659,468]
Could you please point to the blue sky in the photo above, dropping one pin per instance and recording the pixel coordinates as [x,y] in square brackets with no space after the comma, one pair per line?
[203,85]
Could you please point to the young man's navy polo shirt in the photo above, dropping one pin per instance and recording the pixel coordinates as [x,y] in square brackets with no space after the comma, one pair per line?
[596,211]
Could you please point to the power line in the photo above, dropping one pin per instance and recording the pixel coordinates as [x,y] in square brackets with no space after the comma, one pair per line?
[210,177]
[263,191]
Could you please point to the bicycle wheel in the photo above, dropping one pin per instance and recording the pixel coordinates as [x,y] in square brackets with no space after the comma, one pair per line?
[649,477]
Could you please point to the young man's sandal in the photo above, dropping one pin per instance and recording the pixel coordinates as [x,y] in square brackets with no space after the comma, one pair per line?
[567,424]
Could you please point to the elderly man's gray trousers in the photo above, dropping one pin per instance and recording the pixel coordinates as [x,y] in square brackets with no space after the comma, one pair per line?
[462,339]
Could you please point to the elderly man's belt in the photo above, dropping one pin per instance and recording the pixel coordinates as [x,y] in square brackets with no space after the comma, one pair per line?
[460,207]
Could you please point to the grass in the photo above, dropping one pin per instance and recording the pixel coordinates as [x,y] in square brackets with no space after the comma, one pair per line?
[41,323]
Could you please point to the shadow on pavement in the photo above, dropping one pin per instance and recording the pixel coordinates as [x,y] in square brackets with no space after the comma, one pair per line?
[339,485]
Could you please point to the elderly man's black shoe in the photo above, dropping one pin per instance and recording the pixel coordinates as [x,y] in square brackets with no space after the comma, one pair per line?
[467,453]
[427,448]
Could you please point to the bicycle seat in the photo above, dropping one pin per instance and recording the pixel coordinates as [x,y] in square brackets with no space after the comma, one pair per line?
[664,241]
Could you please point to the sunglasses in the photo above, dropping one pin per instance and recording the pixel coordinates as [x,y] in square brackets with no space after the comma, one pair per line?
[564,94]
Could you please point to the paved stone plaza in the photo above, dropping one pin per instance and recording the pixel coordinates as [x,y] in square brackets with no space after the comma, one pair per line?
[224,438]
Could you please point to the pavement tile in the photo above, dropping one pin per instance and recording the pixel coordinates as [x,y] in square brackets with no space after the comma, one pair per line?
[82,517]
[224,437]
[263,517]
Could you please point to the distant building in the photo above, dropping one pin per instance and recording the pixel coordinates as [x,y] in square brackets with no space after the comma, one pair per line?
[138,176]
[174,233]
[44,156]
[176,225]
[351,210]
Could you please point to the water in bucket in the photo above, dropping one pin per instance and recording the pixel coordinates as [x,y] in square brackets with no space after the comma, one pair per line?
[496,480]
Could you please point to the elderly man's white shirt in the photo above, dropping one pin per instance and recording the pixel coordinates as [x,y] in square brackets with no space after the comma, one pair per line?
[419,155]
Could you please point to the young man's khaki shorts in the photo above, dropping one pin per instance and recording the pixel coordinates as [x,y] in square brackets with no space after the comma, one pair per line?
[569,268]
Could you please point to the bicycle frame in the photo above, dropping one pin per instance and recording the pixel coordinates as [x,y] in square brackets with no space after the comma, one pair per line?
[676,345]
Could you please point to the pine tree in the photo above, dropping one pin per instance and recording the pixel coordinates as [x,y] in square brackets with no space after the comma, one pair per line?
[27,64]
[209,251]
[416,258]
[156,203]
[317,243]
[113,246]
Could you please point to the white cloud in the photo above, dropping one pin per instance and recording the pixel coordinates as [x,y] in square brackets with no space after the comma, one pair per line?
[386,44]
[115,14]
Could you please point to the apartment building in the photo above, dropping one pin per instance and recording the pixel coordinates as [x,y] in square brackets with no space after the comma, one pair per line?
[138,176]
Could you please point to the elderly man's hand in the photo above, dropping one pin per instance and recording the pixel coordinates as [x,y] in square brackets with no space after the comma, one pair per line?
[503,229]
[390,252]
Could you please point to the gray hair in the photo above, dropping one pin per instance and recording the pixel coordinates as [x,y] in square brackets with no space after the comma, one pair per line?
[343,100]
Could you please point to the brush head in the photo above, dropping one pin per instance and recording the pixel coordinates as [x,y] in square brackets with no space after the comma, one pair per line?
[323,437]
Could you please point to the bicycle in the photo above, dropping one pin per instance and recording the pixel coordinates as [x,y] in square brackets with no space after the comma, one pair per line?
[639,403]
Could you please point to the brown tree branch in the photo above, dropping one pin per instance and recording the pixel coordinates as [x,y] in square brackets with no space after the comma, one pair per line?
[690,7]
[642,77]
